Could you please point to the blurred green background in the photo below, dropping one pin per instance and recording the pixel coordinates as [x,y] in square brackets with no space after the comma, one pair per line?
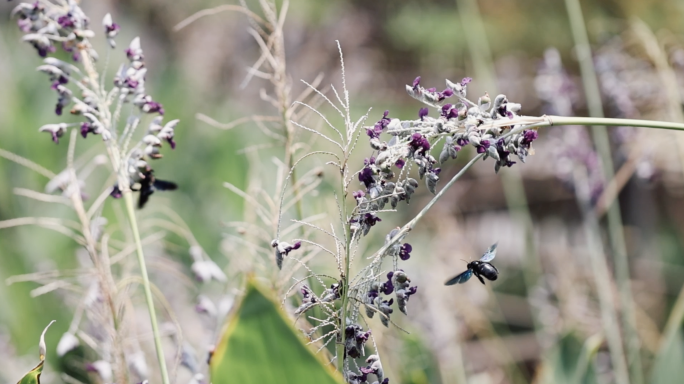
[386,44]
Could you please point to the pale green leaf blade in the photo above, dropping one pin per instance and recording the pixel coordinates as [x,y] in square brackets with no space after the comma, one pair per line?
[33,377]
[258,345]
[668,367]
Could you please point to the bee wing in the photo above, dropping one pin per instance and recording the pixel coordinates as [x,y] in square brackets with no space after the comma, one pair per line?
[460,279]
[490,254]
[163,185]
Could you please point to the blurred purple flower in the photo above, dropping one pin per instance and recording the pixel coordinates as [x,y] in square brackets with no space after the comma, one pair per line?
[419,143]
[405,251]
[484,145]
[422,113]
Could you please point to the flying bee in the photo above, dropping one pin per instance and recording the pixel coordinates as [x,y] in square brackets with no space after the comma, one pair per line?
[478,268]
[149,184]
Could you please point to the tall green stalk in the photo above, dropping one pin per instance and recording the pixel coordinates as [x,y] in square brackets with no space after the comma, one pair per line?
[615,229]
[345,282]
[128,198]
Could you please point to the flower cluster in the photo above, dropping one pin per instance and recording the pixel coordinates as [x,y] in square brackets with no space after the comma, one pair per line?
[355,338]
[309,299]
[130,80]
[46,23]
[491,127]
[460,123]
[374,367]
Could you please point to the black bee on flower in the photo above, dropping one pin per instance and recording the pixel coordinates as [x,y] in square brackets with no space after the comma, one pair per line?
[479,268]
[147,185]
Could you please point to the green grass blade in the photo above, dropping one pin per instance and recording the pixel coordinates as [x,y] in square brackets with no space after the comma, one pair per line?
[259,345]
[33,377]
[668,367]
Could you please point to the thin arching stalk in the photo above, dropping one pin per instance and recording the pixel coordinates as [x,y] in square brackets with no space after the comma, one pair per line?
[128,198]
[115,157]
[615,229]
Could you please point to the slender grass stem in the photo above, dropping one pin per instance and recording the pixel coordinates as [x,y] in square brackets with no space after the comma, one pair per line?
[669,82]
[602,278]
[615,229]
[345,282]
[563,120]
[412,223]
[128,197]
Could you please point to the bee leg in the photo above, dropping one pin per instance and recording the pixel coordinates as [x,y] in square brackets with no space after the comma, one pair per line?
[480,278]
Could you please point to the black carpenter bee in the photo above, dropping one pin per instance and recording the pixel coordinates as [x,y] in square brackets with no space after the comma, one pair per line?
[149,184]
[479,268]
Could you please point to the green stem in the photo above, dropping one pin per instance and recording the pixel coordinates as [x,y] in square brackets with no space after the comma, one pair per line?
[602,278]
[128,197]
[615,229]
[411,224]
[345,283]
[562,120]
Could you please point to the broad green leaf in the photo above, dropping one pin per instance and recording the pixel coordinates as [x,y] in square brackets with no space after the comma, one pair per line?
[33,377]
[259,345]
[668,366]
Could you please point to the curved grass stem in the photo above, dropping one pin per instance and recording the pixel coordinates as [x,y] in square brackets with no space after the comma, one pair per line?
[128,198]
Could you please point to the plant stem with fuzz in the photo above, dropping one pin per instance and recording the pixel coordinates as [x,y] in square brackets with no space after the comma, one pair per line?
[128,197]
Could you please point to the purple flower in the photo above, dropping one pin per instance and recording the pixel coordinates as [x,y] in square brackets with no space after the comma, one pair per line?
[462,142]
[43,51]
[422,113]
[111,28]
[379,126]
[24,25]
[66,21]
[293,247]
[416,82]
[366,370]
[405,251]
[419,143]
[465,81]
[152,107]
[400,163]
[387,287]
[484,145]
[449,112]
[131,83]
[116,192]
[504,155]
[60,80]
[444,94]
[529,136]
[55,130]
[373,293]
[366,177]
[358,194]
[85,129]
[370,219]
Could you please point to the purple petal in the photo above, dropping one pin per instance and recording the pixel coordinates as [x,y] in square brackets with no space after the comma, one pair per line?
[422,113]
